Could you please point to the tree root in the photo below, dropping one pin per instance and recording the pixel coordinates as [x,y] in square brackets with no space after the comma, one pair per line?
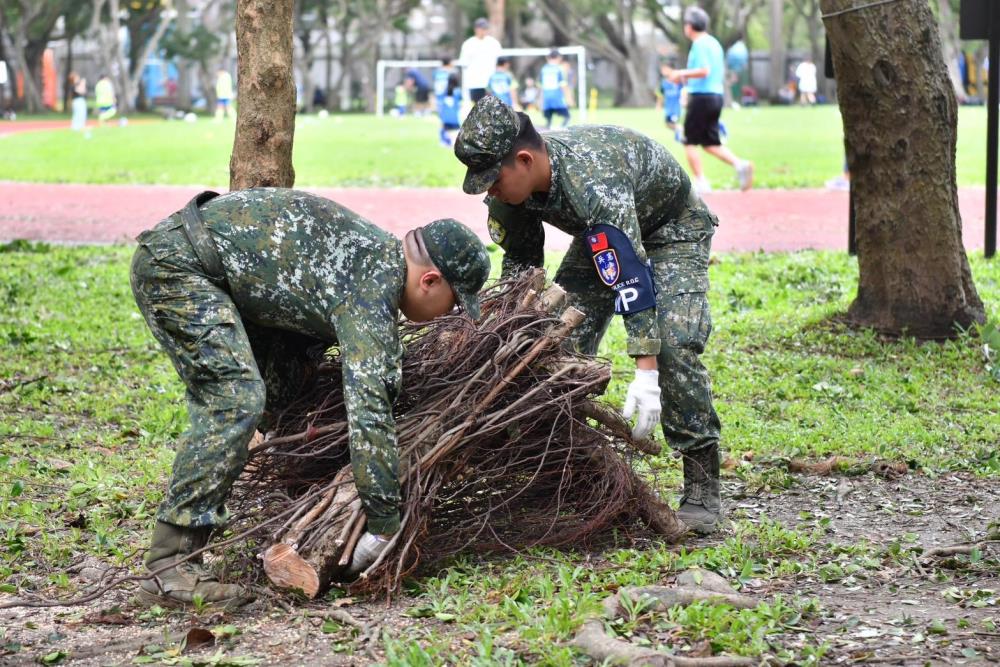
[603,648]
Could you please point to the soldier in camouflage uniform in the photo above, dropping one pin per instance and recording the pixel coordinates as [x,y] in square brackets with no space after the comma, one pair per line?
[244,292]
[639,230]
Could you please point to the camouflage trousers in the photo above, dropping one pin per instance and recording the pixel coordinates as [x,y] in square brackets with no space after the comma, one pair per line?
[236,374]
[680,274]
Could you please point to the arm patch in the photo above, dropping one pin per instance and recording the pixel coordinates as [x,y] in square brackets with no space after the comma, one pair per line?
[619,267]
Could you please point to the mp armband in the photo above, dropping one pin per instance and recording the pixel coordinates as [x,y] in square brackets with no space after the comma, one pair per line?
[620,268]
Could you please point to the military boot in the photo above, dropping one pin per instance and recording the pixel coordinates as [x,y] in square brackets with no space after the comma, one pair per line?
[701,504]
[177,586]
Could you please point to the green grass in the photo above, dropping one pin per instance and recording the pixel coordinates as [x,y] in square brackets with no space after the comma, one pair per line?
[89,409]
[792,147]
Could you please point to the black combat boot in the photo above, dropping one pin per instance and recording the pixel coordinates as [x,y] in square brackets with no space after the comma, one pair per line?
[177,586]
[701,504]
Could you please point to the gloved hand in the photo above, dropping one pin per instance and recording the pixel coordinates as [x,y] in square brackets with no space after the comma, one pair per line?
[644,394]
[369,548]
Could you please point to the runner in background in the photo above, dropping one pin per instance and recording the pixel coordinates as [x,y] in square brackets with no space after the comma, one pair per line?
[555,89]
[448,106]
[224,95]
[104,98]
[670,93]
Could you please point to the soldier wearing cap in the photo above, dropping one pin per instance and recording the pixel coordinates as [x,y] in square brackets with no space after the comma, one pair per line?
[245,292]
[640,249]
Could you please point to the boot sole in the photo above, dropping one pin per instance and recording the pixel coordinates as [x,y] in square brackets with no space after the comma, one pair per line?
[228,604]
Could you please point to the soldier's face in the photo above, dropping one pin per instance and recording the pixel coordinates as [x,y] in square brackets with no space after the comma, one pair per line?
[516,180]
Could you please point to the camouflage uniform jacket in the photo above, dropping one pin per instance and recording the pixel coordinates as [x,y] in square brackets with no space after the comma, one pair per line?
[298,262]
[601,175]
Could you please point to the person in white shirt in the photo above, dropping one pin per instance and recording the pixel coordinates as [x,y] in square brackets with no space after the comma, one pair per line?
[806,74]
[478,60]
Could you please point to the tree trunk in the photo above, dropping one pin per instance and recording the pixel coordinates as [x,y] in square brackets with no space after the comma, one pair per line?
[497,14]
[265,122]
[778,73]
[900,120]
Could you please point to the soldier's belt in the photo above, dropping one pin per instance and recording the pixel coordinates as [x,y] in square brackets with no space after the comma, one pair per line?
[199,238]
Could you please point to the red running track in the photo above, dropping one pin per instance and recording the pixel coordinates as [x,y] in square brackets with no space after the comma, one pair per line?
[769,220]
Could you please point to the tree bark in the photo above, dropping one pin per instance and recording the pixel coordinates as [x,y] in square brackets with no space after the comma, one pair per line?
[265,121]
[496,12]
[900,120]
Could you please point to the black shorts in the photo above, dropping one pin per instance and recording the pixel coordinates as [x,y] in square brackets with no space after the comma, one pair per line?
[422,96]
[476,94]
[701,124]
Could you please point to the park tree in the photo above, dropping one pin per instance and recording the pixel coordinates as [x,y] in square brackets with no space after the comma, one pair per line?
[265,122]
[26,26]
[900,120]
[145,21]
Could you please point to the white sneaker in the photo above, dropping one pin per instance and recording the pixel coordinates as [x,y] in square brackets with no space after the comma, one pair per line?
[701,185]
[838,183]
[744,174]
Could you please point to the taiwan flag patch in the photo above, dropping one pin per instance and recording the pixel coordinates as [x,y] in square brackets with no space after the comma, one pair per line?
[598,242]
[608,267]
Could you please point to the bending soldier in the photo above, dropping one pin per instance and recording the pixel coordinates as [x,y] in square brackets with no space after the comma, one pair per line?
[640,249]
[240,290]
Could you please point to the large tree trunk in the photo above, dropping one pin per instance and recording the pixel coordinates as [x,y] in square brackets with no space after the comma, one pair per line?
[265,122]
[900,120]
[496,12]
[778,72]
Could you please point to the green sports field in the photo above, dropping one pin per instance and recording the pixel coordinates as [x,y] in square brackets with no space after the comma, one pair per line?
[792,147]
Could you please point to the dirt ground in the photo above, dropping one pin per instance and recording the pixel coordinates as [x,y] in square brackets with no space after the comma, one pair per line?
[896,611]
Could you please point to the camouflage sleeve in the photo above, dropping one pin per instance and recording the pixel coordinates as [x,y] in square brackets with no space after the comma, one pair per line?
[614,205]
[372,354]
[520,233]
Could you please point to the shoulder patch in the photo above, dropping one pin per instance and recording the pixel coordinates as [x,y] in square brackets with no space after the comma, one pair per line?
[497,230]
[608,267]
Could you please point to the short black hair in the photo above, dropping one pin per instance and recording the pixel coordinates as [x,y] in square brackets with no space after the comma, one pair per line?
[501,61]
[527,138]
[446,61]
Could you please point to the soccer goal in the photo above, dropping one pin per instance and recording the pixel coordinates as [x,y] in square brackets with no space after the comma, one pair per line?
[567,51]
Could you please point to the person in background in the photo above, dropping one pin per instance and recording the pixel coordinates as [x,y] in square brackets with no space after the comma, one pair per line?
[449,105]
[400,100]
[417,84]
[478,59]
[671,94]
[223,94]
[503,84]
[104,98]
[440,80]
[704,78]
[79,104]
[555,89]
[529,95]
[805,74]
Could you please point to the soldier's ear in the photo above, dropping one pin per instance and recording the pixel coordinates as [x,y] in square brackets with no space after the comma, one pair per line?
[525,157]
[430,279]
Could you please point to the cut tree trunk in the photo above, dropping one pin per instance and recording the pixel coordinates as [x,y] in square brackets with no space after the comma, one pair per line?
[900,116]
[265,119]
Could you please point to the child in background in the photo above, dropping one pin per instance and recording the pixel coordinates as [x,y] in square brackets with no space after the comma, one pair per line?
[529,96]
[448,107]
[503,84]
[555,89]
[671,102]
[401,99]
[440,80]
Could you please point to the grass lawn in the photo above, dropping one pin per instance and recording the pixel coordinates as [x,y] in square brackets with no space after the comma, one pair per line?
[89,410]
[792,147]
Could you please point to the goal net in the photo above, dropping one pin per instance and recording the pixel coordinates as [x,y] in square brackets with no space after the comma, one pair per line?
[391,72]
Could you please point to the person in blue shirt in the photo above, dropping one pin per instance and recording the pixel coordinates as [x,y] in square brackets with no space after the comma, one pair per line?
[555,89]
[417,84]
[440,79]
[704,77]
[671,94]
[448,107]
[503,84]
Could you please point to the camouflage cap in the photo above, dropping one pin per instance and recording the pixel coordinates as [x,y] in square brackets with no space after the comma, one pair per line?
[487,135]
[462,259]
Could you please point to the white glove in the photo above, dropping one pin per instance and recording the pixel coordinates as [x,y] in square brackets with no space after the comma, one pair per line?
[644,394]
[369,548]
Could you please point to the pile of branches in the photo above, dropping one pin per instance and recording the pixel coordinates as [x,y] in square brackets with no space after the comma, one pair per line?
[502,446]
